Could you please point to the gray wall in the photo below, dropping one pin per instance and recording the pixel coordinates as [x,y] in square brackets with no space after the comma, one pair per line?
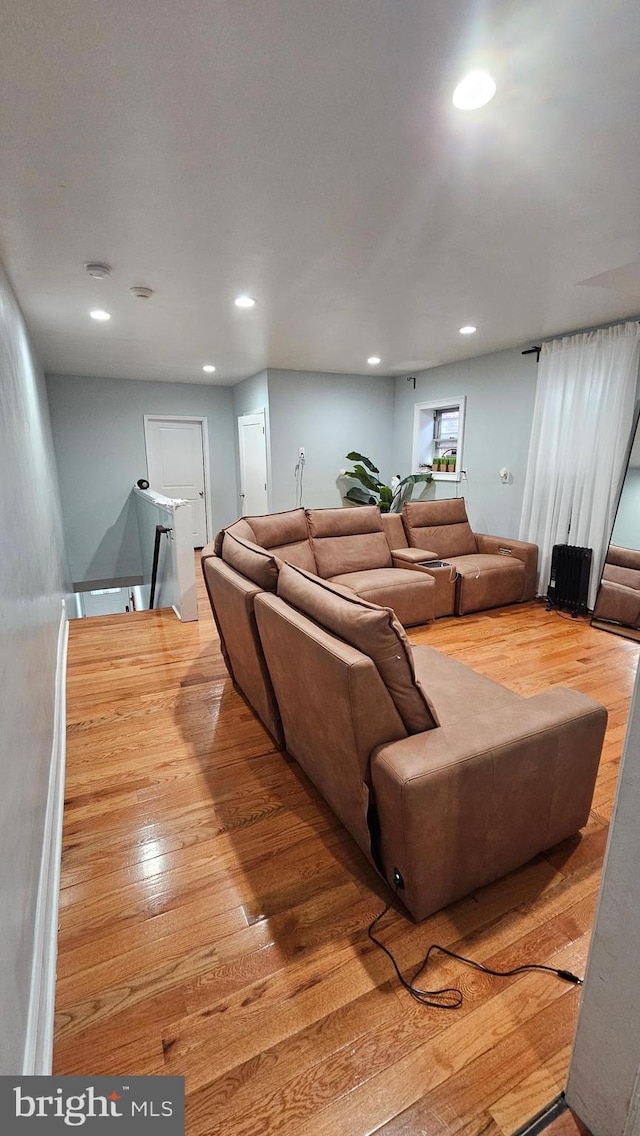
[500,391]
[250,395]
[329,415]
[98,432]
[626,529]
[34,577]
[604,1074]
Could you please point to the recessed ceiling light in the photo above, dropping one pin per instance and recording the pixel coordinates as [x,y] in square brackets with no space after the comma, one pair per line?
[209,368]
[373,360]
[98,314]
[474,91]
[244,302]
[468,329]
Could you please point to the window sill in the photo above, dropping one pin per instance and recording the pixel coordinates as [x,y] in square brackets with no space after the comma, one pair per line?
[447,476]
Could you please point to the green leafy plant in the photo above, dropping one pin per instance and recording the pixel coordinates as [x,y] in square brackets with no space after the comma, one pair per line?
[375,492]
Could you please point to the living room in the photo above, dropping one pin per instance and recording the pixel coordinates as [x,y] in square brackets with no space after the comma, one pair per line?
[328,414]
[354,249]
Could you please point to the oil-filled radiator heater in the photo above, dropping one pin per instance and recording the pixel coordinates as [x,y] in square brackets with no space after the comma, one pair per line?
[569,581]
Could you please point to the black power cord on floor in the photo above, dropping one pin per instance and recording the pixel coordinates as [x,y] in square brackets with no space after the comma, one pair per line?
[451,997]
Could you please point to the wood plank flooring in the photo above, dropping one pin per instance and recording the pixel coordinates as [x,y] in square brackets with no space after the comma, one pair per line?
[214,912]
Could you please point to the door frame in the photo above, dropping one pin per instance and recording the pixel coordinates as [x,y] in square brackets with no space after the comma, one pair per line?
[204,424]
[262,410]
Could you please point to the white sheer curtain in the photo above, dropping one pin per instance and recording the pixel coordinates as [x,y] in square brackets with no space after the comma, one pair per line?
[582,418]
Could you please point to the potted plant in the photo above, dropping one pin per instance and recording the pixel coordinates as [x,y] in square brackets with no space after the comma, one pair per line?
[389,499]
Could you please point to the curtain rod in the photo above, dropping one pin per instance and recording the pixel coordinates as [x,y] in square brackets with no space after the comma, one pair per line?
[536,349]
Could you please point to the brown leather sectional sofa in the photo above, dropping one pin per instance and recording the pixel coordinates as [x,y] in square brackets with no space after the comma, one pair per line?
[618,599]
[451,800]
[482,571]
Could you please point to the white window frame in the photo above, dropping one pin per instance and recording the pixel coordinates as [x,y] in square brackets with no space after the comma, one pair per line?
[423,435]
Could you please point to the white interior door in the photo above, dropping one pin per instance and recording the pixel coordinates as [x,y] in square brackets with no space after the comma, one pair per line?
[106,601]
[252,442]
[176,465]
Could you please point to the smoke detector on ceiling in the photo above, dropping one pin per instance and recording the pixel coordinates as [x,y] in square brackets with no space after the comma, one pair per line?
[141,293]
[97,270]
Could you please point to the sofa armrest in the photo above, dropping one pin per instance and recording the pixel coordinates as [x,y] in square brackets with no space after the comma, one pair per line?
[208,550]
[520,549]
[408,557]
[462,805]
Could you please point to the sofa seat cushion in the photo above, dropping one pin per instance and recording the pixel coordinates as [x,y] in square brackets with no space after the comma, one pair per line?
[454,689]
[410,594]
[348,540]
[373,630]
[488,581]
[439,526]
[251,561]
[617,604]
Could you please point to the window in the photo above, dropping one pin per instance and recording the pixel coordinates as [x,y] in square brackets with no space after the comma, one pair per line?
[446,423]
[438,432]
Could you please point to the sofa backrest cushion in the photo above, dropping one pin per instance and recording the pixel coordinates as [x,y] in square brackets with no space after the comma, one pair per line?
[373,630]
[394,530]
[251,561]
[623,557]
[232,597]
[239,528]
[627,577]
[348,540]
[440,526]
[285,535]
[335,709]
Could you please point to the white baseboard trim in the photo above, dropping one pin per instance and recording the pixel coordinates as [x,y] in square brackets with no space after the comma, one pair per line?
[38,1053]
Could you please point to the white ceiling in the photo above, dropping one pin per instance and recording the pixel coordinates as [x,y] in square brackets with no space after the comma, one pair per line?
[307,152]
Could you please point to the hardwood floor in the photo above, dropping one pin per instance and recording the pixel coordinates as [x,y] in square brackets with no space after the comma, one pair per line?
[214,912]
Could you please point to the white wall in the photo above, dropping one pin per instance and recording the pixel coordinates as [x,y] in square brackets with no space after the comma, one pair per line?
[98,432]
[500,392]
[329,415]
[34,578]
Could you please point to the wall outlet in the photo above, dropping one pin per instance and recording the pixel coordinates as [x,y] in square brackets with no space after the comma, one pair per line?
[301,453]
